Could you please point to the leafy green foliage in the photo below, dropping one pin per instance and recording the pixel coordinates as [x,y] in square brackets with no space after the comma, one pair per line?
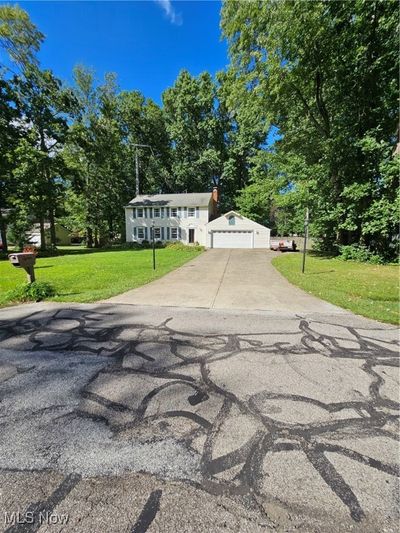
[359,252]
[31,292]
[322,74]
[326,75]
[18,35]
[195,132]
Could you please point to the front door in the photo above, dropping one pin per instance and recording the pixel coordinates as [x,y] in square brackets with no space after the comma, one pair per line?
[191,235]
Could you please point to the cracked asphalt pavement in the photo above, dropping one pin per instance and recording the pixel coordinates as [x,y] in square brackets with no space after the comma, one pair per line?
[134,418]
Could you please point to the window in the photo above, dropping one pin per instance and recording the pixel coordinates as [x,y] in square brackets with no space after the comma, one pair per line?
[191,212]
[156,212]
[174,211]
[140,213]
[157,233]
[140,233]
[232,220]
[174,233]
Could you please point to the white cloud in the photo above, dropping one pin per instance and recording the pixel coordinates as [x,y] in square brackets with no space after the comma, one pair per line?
[170,13]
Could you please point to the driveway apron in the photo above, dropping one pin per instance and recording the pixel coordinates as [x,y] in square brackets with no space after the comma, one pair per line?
[227,279]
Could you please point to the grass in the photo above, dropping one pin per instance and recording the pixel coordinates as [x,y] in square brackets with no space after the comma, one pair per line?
[368,290]
[86,276]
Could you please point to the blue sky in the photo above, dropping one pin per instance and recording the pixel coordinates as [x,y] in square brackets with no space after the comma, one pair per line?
[146,43]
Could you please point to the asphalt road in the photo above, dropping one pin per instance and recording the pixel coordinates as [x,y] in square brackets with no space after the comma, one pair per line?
[127,418]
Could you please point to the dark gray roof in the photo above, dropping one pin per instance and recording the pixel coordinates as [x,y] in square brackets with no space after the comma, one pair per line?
[193,199]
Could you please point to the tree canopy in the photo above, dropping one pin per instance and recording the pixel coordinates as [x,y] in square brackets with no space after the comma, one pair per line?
[305,115]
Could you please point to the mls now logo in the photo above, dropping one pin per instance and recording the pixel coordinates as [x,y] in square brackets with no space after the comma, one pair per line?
[30,517]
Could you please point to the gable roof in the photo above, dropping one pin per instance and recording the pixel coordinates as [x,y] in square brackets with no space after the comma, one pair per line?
[246,221]
[193,199]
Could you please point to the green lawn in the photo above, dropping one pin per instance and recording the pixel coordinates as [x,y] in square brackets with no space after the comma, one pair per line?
[368,290]
[86,276]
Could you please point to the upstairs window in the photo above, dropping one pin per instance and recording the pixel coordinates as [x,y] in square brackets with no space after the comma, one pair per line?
[191,212]
[140,212]
[232,220]
[156,212]
[174,211]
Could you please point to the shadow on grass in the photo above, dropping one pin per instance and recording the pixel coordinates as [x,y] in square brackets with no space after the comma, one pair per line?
[81,251]
[321,272]
[321,254]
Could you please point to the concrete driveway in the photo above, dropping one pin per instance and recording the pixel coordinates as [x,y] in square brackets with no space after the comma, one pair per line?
[123,418]
[227,279]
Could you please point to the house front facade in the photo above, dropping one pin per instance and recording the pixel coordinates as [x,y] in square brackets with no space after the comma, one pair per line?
[191,219]
[175,217]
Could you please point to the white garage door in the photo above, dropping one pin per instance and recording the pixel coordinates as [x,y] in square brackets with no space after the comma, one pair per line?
[232,239]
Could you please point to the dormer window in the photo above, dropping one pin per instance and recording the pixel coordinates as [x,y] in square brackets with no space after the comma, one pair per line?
[232,220]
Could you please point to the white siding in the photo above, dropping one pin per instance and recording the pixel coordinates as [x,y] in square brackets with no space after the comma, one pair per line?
[183,222]
[261,234]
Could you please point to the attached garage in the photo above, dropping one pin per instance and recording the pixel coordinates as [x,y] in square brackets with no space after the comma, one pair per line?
[233,230]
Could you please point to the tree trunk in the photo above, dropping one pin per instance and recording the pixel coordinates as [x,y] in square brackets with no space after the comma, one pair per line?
[42,234]
[110,229]
[96,238]
[89,237]
[53,238]
[3,233]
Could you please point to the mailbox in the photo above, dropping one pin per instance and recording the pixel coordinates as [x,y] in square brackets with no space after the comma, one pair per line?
[24,260]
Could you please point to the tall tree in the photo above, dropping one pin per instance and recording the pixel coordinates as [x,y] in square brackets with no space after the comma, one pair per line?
[195,131]
[328,72]
[45,106]
[9,136]
[20,40]
[19,37]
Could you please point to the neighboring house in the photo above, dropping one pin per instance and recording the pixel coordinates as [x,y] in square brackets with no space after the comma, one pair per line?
[191,218]
[63,237]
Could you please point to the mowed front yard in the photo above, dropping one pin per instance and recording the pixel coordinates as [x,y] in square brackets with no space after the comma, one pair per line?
[87,276]
[368,290]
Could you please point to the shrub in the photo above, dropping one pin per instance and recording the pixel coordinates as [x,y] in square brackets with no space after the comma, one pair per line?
[181,246]
[130,246]
[32,292]
[359,252]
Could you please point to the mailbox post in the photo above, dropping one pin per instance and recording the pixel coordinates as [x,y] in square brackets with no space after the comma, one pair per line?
[26,261]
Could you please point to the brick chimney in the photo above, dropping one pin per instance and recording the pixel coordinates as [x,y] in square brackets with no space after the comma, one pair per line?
[215,194]
[215,207]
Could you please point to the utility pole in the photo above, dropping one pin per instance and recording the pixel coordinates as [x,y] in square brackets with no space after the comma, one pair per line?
[137,187]
[305,239]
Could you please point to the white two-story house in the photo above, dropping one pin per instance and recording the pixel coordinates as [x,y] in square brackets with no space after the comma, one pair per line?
[175,217]
[191,218]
